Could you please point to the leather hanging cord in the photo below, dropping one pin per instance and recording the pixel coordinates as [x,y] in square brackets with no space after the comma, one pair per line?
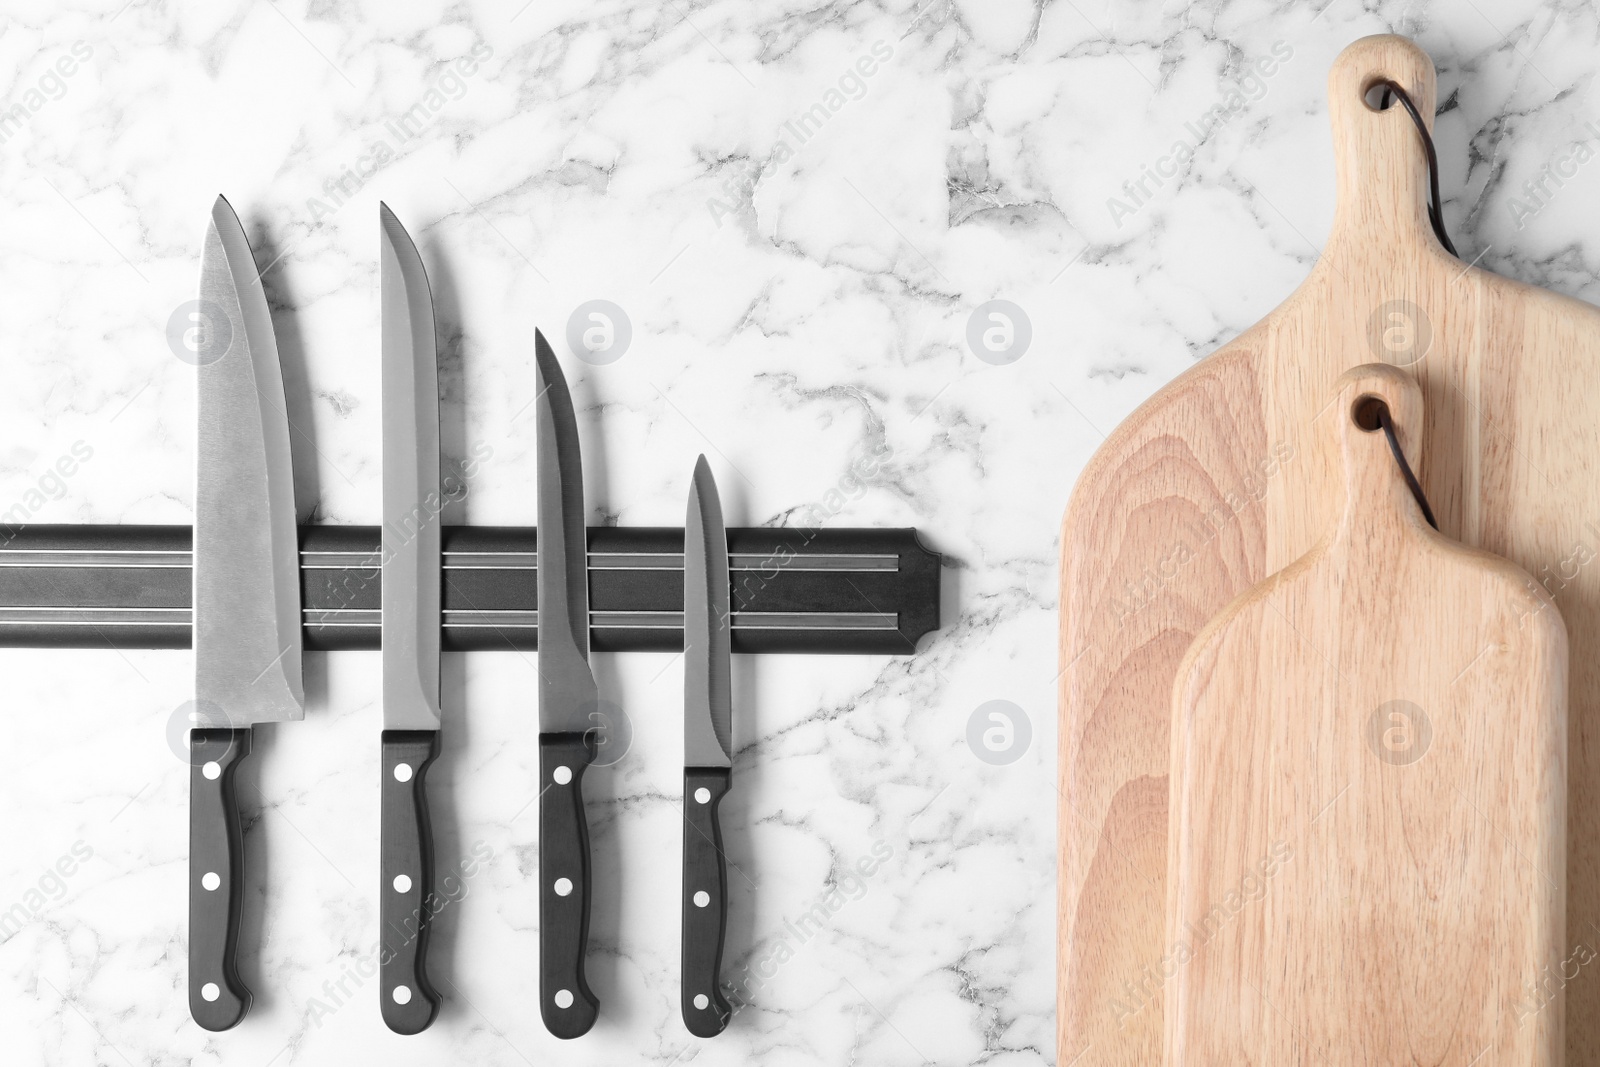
[1386,424]
[1436,206]
[1436,217]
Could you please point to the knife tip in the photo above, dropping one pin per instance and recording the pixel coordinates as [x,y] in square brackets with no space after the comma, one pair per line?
[391,229]
[703,497]
[223,216]
[544,359]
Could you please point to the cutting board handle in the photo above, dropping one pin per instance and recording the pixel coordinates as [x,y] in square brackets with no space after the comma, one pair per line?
[1376,494]
[1382,166]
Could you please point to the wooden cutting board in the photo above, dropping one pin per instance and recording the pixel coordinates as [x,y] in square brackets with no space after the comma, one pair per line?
[1369,790]
[1218,480]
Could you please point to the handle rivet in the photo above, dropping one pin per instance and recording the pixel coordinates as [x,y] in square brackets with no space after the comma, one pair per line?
[402,994]
[701,898]
[563,775]
[402,773]
[402,884]
[212,770]
[701,1000]
[211,880]
[563,998]
[563,887]
[210,992]
[702,795]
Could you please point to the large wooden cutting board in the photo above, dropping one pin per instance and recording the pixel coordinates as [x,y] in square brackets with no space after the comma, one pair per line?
[1369,791]
[1216,482]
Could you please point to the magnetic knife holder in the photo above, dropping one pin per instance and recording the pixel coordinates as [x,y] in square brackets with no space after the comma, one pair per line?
[872,591]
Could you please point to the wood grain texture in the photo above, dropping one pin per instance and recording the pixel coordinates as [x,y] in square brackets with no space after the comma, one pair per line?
[1368,793]
[1220,479]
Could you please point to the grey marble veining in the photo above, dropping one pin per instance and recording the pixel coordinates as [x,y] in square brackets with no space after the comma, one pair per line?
[802,212]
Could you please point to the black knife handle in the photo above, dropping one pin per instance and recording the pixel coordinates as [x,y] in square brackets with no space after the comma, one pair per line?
[705,902]
[405,900]
[568,1007]
[217,998]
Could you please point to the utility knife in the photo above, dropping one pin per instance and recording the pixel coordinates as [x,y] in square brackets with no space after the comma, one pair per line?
[246,597]
[568,698]
[707,754]
[410,558]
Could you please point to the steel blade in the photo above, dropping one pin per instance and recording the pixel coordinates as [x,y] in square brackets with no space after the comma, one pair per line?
[567,692]
[246,548]
[412,501]
[707,690]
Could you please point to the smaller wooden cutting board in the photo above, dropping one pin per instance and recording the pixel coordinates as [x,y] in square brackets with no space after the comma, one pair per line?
[1368,793]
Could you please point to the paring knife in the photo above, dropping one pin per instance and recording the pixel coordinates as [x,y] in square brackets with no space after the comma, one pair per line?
[568,697]
[411,621]
[707,754]
[246,599]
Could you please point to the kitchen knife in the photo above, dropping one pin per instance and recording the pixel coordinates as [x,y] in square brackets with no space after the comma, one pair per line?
[567,699]
[246,598]
[410,629]
[707,754]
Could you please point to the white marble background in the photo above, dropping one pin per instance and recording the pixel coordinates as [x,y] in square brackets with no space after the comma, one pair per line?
[793,309]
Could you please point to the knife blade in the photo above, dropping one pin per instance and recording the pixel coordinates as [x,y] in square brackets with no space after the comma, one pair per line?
[246,599]
[568,697]
[707,755]
[410,622]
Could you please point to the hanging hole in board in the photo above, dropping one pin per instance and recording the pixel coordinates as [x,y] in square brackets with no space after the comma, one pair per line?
[1380,93]
[1368,412]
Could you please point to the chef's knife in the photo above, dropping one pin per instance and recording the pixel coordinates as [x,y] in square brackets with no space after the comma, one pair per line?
[567,698]
[411,620]
[246,598]
[707,754]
